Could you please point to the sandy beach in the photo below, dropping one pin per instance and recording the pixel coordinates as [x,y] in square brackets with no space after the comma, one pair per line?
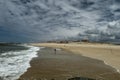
[69,62]
[108,53]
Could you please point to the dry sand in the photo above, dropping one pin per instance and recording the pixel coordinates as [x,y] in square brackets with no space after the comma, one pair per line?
[108,53]
[64,65]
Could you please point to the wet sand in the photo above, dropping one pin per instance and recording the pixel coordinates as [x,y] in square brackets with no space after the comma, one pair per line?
[108,53]
[64,65]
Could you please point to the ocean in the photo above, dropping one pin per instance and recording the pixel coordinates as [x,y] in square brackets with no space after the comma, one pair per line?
[15,60]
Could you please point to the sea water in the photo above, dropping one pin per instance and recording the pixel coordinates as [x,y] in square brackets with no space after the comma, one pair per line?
[15,60]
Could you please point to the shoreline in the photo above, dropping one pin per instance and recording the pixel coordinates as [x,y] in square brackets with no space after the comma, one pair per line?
[105,49]
[117,70]
[65,64]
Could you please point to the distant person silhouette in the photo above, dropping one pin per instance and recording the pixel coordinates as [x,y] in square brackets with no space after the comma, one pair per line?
[55,51]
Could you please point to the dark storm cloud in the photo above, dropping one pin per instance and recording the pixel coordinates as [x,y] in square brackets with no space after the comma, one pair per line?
[36,20]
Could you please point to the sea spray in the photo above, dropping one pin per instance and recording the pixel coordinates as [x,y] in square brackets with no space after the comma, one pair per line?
[14,64]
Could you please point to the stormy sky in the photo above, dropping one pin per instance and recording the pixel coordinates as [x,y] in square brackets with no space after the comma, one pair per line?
[41,20]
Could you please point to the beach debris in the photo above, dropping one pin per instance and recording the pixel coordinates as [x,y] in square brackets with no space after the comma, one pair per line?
[81,78]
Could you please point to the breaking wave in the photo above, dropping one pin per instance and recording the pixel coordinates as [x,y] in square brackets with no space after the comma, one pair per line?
[14,64]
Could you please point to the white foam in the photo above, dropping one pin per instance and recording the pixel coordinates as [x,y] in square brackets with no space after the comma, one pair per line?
[58,49]
[14,64]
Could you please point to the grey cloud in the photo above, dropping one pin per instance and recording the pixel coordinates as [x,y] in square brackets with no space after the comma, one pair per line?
[57,19]
[110,33]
